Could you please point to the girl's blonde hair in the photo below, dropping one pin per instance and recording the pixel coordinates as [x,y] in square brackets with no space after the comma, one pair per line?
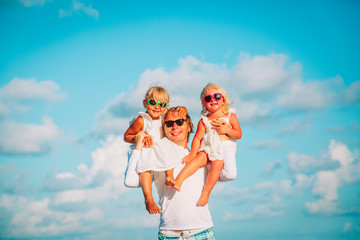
[206,90]
[158,93]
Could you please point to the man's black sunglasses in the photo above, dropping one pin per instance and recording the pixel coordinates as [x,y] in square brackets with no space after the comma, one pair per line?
[178,122]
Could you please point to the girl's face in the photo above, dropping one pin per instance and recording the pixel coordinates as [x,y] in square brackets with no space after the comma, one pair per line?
[213,105]
[154,111]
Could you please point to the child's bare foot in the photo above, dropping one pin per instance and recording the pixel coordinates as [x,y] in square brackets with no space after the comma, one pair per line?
[204,199]
[170,181]
[151,207]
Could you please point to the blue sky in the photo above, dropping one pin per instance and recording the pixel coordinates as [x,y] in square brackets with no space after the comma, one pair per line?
[72,73]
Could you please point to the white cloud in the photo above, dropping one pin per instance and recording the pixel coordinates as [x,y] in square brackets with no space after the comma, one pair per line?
[260,211]
[265,73]
[305,163]
[20,138]
[297,127]
[97,197]
[341,153]
[351,95]
[322,206]
[29,89]
[19,93]
[30,3]
[78,6]
[106,173]
[270,167]
[268,144]
[261,87]
[347,226]
[327,183]
[185,83]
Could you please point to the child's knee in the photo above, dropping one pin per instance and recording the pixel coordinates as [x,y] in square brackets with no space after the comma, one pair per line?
[217,164]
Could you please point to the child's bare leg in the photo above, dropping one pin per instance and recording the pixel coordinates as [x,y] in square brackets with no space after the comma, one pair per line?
[169,177]
[190,168]
[213,176]
[146,185]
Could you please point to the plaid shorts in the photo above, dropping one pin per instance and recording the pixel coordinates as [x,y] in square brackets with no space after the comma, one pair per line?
[207,234]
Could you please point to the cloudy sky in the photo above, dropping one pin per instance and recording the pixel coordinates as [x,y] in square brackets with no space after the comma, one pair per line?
[73,72]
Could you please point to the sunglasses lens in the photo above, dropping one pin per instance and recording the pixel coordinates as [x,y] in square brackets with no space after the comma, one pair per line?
[207,98]
[163,104]
[217,96]
[180,122]
[169,123]
[152,102]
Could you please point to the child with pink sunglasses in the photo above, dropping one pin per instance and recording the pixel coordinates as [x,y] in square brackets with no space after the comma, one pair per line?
[214,142]
[149,124]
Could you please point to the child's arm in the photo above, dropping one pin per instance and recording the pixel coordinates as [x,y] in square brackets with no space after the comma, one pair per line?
[195,145]
[232,129]
[135,128]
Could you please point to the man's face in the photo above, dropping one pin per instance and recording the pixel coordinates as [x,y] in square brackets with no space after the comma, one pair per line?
[175,133]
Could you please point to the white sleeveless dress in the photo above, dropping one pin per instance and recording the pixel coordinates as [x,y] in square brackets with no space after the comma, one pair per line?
[216,149]
[159,157]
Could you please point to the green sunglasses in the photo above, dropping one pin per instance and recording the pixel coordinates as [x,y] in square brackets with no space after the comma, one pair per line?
[153,102]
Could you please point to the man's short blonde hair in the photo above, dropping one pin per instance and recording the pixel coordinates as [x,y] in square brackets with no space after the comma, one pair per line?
[188,121]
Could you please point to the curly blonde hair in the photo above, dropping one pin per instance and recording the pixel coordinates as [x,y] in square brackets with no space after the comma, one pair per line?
[158,93]
[206,90]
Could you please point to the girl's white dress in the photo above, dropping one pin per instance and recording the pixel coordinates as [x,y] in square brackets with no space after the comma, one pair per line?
[157,158]
[220,150]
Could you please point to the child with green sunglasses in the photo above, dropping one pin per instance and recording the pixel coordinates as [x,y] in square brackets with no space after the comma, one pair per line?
[155,102]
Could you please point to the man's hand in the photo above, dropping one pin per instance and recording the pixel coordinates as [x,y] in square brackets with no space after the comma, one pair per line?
[148,141]
[220,126]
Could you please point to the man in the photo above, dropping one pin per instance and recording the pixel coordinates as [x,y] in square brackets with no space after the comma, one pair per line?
[180,217]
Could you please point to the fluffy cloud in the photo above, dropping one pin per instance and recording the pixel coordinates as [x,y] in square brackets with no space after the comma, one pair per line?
[268,144]
[107,169]
[270,167]
[30,3]
[351,95]
[89,201]
[322,178]
[77,7]
[19,138]
[261,87]
[29,89]
[327,183]
[18,96]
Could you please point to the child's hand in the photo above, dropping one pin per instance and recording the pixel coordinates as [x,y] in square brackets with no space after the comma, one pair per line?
[148,141]
[182,111]
[220,126]
[139,140]
[186,159]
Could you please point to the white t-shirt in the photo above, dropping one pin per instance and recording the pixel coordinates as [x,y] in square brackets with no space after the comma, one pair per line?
[179,210]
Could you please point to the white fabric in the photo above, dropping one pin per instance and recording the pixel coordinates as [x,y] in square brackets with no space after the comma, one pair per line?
[229,171]
[211,142]
[152,128]
[131,176]
[160,157]
[179,210]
